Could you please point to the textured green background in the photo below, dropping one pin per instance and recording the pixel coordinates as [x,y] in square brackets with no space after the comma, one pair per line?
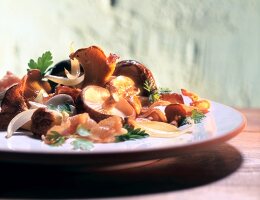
[211,46]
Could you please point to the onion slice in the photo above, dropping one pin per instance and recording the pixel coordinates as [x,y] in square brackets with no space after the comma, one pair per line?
[161,129]
[75,66]
[65,81]
[75,69]
[18,121]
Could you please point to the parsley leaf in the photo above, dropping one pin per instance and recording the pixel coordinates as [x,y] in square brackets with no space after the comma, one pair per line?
[197,116]
[43,62]
[153,92]
[61,108]
[131,134]
[164,90]
[82,131]
[54,138]
[82,144]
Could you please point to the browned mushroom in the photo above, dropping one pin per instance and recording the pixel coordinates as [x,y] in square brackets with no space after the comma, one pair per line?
[172,97]
[100,105]
[154,114]
[12,104]
[96,65]
[43,119]
[32,83]
[175,113]
[138,72]
[124,87]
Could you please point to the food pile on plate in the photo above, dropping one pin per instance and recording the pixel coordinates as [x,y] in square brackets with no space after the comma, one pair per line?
[94,98]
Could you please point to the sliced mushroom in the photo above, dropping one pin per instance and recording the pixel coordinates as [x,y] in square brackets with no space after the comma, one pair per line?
[138,72]
[122,86]
[100,105]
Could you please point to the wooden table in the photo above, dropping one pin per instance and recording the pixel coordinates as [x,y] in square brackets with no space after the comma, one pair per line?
[229,171]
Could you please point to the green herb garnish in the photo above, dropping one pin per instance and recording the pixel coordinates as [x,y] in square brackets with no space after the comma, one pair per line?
[132,134]
[61,108]
[82,131]
[43,62]
[82,144]
[164,90]
[153,92]
[197,116]
[54,138]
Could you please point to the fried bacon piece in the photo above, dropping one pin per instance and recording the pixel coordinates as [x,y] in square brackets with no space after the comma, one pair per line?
[106,130]
[69,125]
[102,132]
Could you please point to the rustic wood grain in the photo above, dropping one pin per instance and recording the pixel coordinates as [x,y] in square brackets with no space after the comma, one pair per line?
[228,171]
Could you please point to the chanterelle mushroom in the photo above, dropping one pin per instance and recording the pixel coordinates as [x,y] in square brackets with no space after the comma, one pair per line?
[97,67]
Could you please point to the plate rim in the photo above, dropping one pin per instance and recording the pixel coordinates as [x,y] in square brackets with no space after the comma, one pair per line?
[143,154]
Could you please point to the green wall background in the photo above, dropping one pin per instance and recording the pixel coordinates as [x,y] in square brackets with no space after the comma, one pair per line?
[208,46]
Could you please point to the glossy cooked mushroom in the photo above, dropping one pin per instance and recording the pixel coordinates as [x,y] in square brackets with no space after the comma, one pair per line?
[138,72]
[175,114]
[100,105]
[97,67]
[43,119]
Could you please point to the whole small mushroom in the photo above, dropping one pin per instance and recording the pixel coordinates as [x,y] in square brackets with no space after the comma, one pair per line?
[138,72]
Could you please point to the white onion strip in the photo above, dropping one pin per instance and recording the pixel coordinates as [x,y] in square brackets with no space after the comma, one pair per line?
[18,121]
[75,66]
[164,134]
[65,81]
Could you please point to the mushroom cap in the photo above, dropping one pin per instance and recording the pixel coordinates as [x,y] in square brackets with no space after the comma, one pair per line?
[138,72]
[175,113]
[100,105]
[96,65]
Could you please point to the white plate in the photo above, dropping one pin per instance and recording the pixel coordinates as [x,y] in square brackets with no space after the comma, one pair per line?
[221,124]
